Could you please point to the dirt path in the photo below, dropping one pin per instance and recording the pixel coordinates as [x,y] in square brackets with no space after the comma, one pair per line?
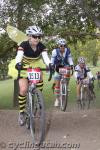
[72,130]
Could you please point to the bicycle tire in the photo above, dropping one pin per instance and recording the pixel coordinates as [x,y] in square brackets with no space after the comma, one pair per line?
[87,98]
[27,118]
[63,96]
[81,101]
[37,117]
[31,124]
[91,96]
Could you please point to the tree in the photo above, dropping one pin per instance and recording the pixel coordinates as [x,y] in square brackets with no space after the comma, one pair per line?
[7,52]
[91,9]
[92,51]
[73,20]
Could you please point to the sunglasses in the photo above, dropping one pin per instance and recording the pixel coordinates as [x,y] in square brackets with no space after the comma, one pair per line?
[62,45]
[35,37]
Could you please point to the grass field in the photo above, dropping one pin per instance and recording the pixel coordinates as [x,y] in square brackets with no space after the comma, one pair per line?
[6,94]
[7,88]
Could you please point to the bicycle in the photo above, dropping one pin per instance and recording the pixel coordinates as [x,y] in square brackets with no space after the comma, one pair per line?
[65,73]
[35,110]
[86,93]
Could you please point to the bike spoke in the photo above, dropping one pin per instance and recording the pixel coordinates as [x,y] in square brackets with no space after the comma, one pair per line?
[38,126]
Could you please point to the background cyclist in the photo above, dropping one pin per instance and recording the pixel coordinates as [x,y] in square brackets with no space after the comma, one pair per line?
[61,56]
[81,72]
[98,78]
[98,75]
[29,54]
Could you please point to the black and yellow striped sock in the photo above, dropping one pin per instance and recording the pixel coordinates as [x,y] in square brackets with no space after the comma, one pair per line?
[22,103]
[40,85]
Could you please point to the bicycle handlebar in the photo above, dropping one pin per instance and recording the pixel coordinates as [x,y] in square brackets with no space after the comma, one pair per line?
[42,69]
[50,76]
[82,81]
[72,71]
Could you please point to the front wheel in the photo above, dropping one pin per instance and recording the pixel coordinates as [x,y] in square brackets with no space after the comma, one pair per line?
[81,102]
[86,98]
[37,117]
[63,96]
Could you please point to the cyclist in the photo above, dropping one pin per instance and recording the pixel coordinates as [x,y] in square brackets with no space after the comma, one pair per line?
[61,56]
[81,72]
[98,78]
[98,75]
[29,54]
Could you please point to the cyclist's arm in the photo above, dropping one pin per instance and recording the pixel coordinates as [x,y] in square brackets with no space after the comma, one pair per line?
[70,60]
[19,55]
[77,77]
[76,74]
[89,73]
[53,56]
[46,58]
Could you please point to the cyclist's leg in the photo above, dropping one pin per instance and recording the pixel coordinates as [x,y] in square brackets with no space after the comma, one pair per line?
[57,78]
[78,87]
[40,84]
[67,82]
[23,85]
[57,92]
[91,88]
[53,86]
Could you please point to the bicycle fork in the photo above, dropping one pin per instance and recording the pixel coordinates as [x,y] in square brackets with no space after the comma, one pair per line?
[62,90]
[63,87]
[31,93]
[81,97]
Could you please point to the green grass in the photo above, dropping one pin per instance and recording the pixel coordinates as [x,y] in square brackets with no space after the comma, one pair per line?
[6,92]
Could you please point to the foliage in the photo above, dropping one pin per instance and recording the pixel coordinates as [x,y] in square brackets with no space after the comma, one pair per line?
[61,14]
[75,20]
[6,45]
[90,50]
[7,51]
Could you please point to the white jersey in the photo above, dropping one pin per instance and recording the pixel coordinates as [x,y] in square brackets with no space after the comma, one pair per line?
[82,73]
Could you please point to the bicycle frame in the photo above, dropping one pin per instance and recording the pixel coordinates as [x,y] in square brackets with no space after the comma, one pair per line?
[63,92]
[65,75]
[35,104]
[63,81]
[85,93]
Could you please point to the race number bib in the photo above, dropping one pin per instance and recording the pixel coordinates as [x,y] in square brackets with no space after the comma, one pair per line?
[34,75]
[64,71]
